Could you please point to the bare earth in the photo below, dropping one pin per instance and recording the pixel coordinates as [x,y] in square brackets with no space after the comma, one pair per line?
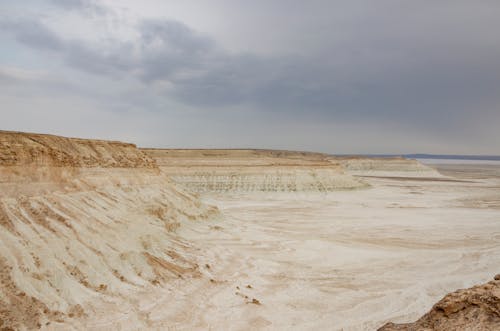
[95,236]
[347,260]
[472,309]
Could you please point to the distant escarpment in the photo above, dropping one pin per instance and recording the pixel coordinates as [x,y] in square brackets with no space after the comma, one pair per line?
[384,166]
[476,308]
[249,170]
[83,224]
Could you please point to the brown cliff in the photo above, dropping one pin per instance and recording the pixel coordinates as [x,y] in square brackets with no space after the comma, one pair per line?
[476,308]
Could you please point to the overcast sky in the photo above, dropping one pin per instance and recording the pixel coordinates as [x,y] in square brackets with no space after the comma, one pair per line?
[352,76]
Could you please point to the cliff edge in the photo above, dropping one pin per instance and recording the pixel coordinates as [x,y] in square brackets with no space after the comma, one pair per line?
[252,170]
[86,224]
[476,308]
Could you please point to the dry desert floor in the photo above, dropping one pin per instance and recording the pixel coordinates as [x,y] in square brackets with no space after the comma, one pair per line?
[345,260]
[101,235]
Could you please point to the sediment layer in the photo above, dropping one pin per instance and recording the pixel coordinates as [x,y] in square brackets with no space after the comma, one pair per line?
[84,222]
[252,170]
[385,166]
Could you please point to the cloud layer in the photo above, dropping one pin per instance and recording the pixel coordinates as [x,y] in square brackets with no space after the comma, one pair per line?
[357,79]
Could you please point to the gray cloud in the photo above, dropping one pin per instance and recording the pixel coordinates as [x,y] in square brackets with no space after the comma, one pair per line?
[164,48]
[424,69]
[32,33]
[83,6]
[114,60]
[168,46]
[424,88]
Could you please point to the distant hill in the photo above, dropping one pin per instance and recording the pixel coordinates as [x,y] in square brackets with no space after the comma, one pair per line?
[454,157]
[434,156]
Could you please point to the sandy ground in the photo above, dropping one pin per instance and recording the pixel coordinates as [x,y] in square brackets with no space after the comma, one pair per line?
[343,260]
[347,260]
[94,236]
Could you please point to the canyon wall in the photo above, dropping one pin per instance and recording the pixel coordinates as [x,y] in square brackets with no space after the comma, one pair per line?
[93,233]
[252,170]
[85,223]
[384,166]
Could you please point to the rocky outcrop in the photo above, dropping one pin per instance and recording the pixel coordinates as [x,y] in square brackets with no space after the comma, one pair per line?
[83,223]
[252,170]
[475,308]
[32,164]
[22,149]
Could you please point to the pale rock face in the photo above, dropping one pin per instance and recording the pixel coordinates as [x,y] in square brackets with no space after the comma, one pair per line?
[291,179]
[240,171]
[395,166]
[83,222]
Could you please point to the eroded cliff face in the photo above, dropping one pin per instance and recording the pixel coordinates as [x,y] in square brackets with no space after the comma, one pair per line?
[476,308]
[252,170]
[85,223]
[390,166]
[21,149]
[35,163]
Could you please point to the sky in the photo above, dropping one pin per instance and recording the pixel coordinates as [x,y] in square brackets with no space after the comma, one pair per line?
[334,76]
